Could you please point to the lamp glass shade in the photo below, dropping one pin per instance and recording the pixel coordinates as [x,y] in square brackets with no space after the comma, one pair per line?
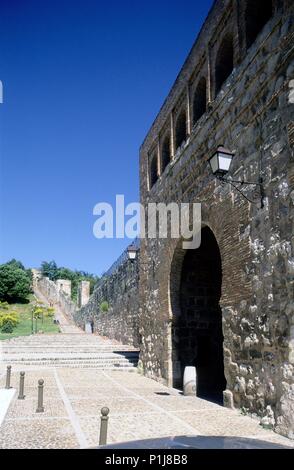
[132,252]
[225,161]
[214,163]
[221,161]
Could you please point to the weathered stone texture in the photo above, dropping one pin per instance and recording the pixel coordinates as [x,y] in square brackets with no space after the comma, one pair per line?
[83,293]
[252,116]
[64,285]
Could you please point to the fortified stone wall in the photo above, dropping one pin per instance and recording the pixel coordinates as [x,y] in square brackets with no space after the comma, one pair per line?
[54,293]
[119,290]
[251,114]
[83,293]
[64,285]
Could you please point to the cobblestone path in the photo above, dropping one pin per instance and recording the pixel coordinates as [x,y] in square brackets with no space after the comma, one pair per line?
[139,409]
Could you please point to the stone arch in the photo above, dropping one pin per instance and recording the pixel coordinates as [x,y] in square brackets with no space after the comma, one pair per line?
[181,129]
[166,152]
[224,63]
[257,14]
[153,171]
[196,332]
[199,101]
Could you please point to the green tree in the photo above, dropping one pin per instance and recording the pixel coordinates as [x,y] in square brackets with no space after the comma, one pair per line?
[49,269]
[18,264]
[15,284]
[15,264]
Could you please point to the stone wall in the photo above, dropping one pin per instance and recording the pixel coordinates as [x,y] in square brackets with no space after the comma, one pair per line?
[119,290]
[55,295]
[64,285]
[83,293]
[252,116]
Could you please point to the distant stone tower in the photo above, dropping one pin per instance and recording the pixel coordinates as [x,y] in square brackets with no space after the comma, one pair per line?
[36,276]
[64,285]
[83,293]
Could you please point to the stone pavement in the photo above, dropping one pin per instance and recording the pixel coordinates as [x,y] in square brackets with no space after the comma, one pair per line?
[140,408]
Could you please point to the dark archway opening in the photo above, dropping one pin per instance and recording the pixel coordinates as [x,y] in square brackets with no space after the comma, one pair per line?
[153,171]
[165,152]
[181,129]
[197,330]
[224,62]
[199,103]
[257,14]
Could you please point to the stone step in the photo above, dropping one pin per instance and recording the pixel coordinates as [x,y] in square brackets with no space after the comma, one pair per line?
[68,350]
[72,351]
[86,365]
[68,362]
[98,356]
[66,346]
[77,355]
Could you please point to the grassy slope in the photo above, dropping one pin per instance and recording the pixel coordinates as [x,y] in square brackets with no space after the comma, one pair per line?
[24,328]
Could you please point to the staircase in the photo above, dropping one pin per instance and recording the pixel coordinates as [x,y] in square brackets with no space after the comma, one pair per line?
[68,350]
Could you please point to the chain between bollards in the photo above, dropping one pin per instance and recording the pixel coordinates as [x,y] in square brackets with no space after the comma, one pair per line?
[103,426]
[40,408]
[8,377]
[21,395]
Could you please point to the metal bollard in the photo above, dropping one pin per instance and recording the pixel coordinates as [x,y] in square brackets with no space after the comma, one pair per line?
[21,395]
[103,426]
[8,377]
[40,408]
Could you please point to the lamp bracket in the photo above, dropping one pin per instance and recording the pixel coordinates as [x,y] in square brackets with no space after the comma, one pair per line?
[248,183]
[241,182]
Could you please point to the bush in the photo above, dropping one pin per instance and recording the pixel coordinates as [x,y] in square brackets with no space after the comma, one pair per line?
[4,305]
[9,317]
[104,307]
[8,321]
[7,327]
[50,312]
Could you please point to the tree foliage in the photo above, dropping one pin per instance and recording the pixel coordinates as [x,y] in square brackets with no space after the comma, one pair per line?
[49,269]
[15,282]
[40,311]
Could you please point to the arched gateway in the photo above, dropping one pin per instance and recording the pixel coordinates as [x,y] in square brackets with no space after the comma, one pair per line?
[197,338]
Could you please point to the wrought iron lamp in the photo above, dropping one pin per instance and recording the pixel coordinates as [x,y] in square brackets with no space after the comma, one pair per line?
[132,252]
[220,164]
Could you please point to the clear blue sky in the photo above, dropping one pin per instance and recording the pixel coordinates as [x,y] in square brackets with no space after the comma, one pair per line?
[83,81]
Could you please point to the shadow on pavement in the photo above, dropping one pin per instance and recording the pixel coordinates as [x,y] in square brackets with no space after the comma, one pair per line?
[197,442]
